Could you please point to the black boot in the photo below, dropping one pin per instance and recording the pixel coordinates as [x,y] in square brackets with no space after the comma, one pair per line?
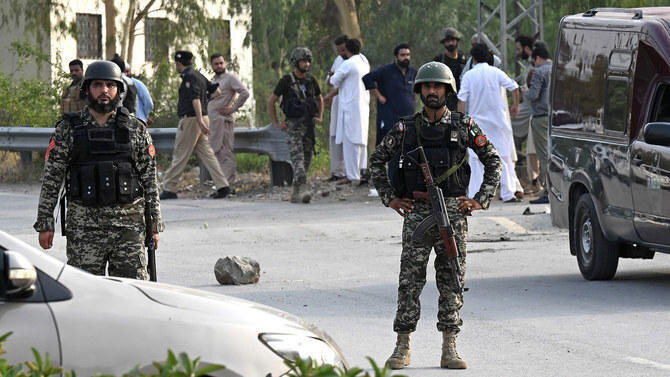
[221,193]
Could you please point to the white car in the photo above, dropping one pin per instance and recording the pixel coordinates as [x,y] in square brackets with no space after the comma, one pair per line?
[94,324]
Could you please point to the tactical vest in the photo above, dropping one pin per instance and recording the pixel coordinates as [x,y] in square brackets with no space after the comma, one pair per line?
[446,149]
[101,170]
[298,103]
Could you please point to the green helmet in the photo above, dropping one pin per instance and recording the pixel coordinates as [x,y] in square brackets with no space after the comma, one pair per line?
[434,72]
[451,33]
[101,70]
[300,53]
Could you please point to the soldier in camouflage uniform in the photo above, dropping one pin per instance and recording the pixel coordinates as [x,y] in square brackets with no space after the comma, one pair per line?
[445,137]
[105,157]
[302,104]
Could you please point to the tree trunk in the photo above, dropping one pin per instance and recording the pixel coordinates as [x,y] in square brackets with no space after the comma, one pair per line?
[348,18]
[128,29]
[110,28]
[140,16]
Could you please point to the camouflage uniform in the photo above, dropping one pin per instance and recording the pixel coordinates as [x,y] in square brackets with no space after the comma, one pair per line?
[415,255]
[97,235]
[301,146]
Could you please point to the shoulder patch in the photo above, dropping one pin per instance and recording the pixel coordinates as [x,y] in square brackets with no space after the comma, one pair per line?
[152,150]
[401,126]
[480,140]
[52,145]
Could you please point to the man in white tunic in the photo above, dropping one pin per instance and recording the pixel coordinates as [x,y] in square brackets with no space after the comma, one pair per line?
[480,89]
[353,110]
[336,156]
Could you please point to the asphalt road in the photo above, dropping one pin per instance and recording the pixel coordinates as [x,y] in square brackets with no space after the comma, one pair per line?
[527,312]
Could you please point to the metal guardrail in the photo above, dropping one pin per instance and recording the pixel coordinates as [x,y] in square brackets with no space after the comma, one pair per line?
[267,141]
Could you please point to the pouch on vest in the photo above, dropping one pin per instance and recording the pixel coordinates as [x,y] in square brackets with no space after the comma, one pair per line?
[74,185]
[101,140]
[88,189]
[126,182]
[106,182]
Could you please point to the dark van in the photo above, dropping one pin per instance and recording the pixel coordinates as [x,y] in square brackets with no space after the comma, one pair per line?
[609,136]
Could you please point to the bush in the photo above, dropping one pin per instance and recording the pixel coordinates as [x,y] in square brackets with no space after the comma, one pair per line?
[179,366]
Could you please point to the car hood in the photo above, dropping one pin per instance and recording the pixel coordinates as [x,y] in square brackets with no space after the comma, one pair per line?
[254,314]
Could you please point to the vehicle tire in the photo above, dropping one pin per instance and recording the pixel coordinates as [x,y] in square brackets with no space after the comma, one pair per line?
[597,257]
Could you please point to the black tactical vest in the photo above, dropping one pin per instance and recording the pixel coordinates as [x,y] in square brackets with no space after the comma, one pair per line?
[300,101]
[102,170]
[445,146]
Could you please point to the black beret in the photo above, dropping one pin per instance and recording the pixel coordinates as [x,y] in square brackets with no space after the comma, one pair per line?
[184,57]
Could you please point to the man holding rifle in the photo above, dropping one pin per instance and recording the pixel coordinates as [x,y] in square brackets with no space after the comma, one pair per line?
[434,204]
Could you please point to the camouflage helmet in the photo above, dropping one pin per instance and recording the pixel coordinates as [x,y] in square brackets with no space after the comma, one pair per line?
[434,72]
[300,53]
[451,33]
[101,70]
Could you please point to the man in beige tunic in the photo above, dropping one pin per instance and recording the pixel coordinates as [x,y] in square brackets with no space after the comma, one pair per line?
[220,110]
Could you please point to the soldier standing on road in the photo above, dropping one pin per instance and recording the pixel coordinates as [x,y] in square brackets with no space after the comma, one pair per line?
[445,136]
[193,129]
[221,111]
[69,100]
[303,106]
[106,158]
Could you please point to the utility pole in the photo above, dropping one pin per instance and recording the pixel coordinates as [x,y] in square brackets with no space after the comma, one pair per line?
[509,29]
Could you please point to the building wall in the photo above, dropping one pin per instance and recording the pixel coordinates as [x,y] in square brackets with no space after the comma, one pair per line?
[12,32]
[65,46]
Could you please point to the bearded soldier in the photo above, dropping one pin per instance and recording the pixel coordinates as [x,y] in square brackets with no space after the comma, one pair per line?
[105,156]
[445,137]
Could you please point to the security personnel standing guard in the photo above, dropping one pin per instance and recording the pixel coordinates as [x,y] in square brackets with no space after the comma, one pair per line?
[193,129]
[303,106]
[445,137]
[106,158]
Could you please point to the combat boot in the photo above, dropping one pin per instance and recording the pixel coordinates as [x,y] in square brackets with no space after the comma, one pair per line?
[295,194]
[305,193]
[400,357]
[450,358]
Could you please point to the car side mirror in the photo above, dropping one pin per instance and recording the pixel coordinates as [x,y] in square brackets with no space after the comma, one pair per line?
[657,133]
[18,276]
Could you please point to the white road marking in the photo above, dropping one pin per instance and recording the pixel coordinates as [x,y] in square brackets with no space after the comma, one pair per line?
[649,363]
[510,225]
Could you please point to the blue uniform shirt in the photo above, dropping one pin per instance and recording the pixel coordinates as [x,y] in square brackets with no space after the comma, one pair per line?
[399,92]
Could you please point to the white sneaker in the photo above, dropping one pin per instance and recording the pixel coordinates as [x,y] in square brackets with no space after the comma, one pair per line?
[373,193]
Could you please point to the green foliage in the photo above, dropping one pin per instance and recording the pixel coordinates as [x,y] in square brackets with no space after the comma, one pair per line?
[30,101]
[175,366]
[310,368]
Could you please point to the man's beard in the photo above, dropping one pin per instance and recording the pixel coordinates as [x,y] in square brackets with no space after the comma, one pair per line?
[524,56]
[222,71]
[451,48]
[302,70]
[433,101]
[103,108]
[403,63]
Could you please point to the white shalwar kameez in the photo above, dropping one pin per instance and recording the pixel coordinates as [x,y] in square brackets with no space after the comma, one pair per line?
[481,90]
[353,113]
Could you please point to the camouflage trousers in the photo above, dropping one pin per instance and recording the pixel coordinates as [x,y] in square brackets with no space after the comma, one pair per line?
[109,237]
[413,263]
[301,147]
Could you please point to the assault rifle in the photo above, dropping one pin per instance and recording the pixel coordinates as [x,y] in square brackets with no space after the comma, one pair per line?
[439,217]
[149,241]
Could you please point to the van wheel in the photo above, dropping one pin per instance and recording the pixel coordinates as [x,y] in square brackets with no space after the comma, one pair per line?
[597,257]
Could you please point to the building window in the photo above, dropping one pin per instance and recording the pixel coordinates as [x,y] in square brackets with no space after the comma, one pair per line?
[89,36]
[156,43]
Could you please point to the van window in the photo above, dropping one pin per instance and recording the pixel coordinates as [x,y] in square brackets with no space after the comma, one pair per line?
[616,105]
[591,87]
[661,109]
